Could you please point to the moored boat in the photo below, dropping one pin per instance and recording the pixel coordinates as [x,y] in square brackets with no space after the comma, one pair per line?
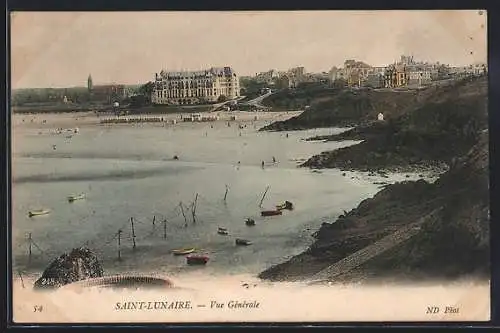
[222,231]
[72,198]
[286,205]
[250,222]
[180,252]
[38,212]
[271,212]
[240,241]
[197,259]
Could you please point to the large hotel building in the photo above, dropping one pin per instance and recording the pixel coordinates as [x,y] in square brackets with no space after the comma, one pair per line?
[195,87]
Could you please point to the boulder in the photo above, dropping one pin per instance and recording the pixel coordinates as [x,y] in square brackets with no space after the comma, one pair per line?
[80,264]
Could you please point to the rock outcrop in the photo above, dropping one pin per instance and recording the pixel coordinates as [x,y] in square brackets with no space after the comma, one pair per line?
[452,244]
[429,136]
[79,264]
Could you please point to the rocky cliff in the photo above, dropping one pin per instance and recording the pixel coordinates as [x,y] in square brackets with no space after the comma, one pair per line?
[454,243]
[347,108]
[79,264]
[449,128]
[446,125]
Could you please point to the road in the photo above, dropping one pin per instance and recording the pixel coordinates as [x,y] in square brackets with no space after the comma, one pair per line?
[360,257]
[258,100]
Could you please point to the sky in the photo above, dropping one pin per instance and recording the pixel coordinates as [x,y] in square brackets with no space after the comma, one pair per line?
[60,49]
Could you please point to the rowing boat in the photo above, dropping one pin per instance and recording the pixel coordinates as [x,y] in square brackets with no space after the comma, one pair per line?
[197,259]
[181,252]
[271,212]
[38,212]
[250,222]
[222,231]
[286,205]
[240,241]
[72,198]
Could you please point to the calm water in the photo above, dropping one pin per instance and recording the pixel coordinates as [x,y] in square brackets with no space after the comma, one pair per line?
[127,171]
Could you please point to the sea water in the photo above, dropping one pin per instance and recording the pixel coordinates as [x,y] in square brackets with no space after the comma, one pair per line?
[129,175]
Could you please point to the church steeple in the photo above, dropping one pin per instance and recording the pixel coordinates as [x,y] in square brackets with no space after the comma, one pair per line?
[89,83]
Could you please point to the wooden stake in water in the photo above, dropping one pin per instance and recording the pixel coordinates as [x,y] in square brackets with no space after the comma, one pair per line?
[133,232]
[183,214]
[225,194]
[30,241]
[154,219]
[263,196]
[165,229]
[21,276]
[119,244]
[194,208]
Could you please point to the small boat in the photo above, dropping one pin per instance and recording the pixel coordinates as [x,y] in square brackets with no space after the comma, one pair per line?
[181,252]
[197,259]
[38,212]
[250,222]
[271,212]
[240,241]
[286,205]
[222,232]
[72,198]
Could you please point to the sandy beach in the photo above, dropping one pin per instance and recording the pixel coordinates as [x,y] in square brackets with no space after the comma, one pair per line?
[81,119]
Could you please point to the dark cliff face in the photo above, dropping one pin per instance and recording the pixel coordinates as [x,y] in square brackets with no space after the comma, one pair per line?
[452,244]
[348,108]
[447,125]
[456,242]
[79,264]
[357,107]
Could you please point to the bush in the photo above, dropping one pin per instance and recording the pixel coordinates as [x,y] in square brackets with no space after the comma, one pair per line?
[221,99]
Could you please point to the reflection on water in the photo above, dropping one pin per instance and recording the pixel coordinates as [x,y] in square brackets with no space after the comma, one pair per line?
[128,172]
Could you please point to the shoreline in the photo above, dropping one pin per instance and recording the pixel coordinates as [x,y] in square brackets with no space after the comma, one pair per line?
[85,119]
[395,206]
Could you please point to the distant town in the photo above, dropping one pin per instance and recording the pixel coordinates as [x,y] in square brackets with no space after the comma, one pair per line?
[222,84]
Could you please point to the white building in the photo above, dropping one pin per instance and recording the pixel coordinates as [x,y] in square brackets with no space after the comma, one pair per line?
[195,87]
[419,76]
[267,77]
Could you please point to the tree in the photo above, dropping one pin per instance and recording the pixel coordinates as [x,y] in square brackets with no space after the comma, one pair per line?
[138,100]
[221,99]
[146,90]
[340,83]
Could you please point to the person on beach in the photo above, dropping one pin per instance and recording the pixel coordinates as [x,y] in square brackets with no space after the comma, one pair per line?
[262,164]
[274,159]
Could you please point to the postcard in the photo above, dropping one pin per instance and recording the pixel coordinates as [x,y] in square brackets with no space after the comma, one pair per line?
[250,166]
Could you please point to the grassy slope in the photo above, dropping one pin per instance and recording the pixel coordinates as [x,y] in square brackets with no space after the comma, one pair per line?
[445,126]
[448,127]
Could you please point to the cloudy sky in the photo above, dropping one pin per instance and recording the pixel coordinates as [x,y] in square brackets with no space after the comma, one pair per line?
[58,49]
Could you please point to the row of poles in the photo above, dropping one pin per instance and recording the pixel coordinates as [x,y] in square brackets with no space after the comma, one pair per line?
[164,222]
